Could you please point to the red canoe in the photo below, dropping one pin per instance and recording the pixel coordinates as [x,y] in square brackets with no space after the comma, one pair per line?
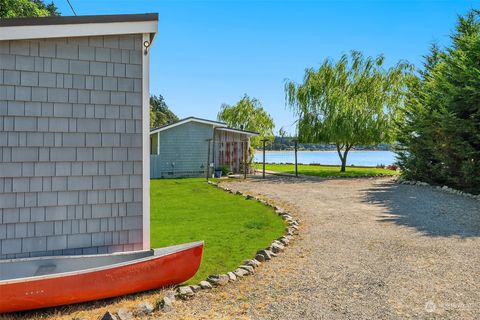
[42,282]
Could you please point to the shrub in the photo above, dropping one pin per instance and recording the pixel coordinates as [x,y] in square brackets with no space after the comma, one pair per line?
[225,170]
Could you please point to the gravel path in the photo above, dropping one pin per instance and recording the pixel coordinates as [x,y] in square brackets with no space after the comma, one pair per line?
[369,249]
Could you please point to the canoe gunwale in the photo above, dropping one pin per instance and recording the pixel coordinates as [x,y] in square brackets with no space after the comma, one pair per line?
[155,254]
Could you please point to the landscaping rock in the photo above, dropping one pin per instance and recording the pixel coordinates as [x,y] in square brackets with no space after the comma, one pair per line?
[292,230]
[278,243]
[276,248]
[109,316]
[195,288]
[267,254]
[239,272]
[145,308]
[218,279]
[248,268]
[231,276]
[284,241]
[252,262]
[171,294]
[166,304]
[185,292]
[205,285]
[124,314]
[260,257]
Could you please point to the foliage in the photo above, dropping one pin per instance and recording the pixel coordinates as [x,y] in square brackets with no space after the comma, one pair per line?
[248,114]
[225,169]
[160,114]
[439,142]
[328,171]
[282,134]
[354,101]
[184,210]
[26,8]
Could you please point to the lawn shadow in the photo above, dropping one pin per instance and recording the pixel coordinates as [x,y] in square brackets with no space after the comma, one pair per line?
[427,209]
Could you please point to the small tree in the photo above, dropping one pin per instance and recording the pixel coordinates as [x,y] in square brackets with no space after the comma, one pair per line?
[248,114]
[354,101]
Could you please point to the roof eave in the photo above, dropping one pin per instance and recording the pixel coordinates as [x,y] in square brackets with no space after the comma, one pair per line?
[61,27]
[248,133]
[215,124]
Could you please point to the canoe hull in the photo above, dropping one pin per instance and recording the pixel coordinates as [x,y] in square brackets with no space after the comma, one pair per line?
[116,281]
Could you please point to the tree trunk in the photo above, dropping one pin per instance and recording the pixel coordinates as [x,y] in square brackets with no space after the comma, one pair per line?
[343,157]
[344,164]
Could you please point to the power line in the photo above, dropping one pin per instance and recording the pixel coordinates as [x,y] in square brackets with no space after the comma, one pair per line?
[71,7]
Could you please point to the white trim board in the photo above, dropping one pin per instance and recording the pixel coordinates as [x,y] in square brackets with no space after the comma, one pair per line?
[77,30]
[146,145]
[213,123]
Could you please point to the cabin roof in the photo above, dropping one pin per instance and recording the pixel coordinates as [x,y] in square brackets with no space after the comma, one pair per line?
[77,26]
[215,124]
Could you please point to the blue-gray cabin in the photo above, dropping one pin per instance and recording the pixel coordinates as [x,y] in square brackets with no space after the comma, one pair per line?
[194,147]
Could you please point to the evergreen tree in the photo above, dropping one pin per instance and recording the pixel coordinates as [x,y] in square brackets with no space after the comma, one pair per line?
[439,142]
[160,114]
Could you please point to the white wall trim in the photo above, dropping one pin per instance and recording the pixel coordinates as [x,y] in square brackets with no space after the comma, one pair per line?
[77,30]
[146,144]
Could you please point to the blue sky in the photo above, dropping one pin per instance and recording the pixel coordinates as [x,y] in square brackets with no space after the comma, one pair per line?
[211,52]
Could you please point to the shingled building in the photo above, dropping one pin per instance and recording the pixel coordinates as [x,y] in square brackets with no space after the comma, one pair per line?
[74,134]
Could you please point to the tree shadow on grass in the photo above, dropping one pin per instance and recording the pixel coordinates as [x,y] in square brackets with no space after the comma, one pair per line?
[430,211]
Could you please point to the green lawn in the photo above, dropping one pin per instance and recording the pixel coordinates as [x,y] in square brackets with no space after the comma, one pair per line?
[233,228]
[327,171]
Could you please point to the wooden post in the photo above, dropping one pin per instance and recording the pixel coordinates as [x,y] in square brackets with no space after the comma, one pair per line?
[264,141]
[296,162]
[245,159]
[208,158]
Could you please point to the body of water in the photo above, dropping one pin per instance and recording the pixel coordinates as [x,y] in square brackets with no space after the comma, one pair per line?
[358,158]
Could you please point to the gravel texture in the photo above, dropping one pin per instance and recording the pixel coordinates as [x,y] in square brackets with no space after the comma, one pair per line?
[368,249]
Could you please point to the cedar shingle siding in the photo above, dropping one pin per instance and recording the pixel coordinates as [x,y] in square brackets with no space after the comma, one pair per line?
[70,146]
[183,151]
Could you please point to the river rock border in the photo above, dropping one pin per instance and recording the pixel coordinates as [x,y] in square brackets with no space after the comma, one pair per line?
[442,188]
[246,268]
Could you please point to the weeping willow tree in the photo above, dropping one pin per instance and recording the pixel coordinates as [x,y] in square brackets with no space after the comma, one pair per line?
[248,114]
[354,101]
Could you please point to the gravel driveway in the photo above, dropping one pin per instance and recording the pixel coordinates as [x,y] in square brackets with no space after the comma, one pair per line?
[368,249]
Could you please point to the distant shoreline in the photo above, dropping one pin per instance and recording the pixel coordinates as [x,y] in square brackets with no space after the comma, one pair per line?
[260,150]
